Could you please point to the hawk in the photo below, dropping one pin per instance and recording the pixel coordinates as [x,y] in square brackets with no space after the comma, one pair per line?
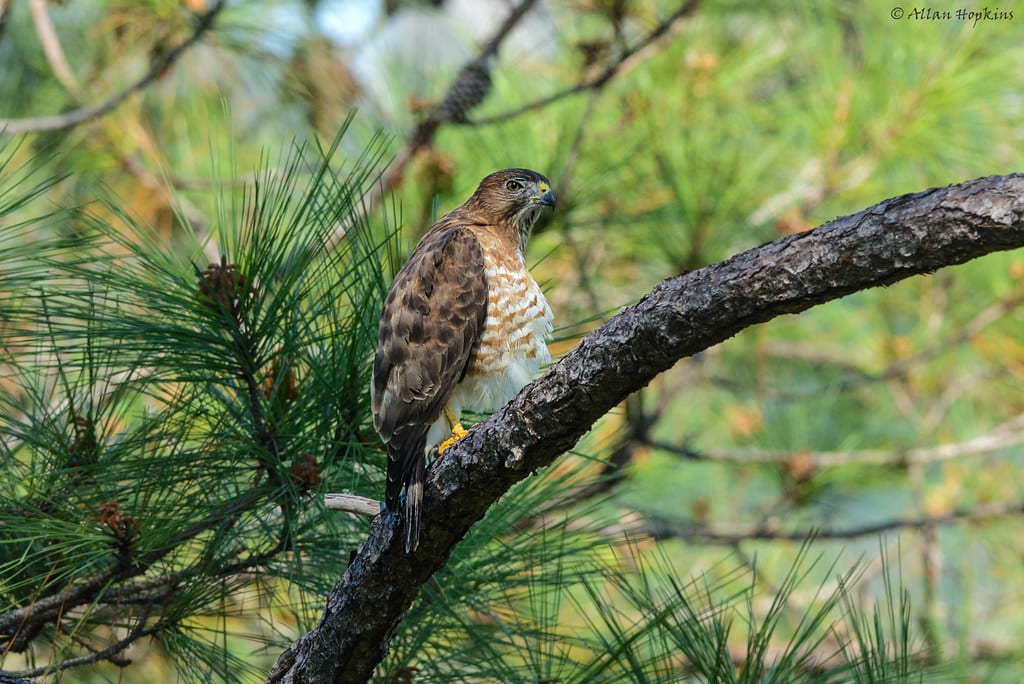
[463,326]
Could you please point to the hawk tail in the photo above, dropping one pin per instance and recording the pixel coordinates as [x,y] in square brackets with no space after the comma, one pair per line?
[413,499]
[407,470]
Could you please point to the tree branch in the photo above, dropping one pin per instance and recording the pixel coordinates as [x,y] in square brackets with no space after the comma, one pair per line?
[629,57]
[48,38]
[156,69]
[352,503]
[662,528]
[896,239]
[137,632]
[24,620]
[1008,434]
[441,113]
[855,376]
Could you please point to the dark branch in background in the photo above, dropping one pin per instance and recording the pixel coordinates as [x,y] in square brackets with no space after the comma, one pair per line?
[1008,434]
[204,23]
[627,58]
[660,527]
[5,15]
[855,376]
[896,239]
[111,652]
[473,81]
[62,71]
[471,86]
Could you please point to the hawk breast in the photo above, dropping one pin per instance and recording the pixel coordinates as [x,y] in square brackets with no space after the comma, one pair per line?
[512,345]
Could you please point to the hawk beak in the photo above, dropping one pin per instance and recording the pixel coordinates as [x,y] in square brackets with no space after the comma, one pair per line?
[545,196]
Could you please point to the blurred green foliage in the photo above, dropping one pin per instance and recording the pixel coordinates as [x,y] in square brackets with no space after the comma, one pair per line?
[744,122]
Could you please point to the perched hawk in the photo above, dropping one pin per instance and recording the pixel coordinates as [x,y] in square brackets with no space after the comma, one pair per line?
[463,326]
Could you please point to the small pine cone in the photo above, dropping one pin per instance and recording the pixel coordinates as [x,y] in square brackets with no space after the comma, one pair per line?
[123,526]
[306,472]
[84,447]
[279,381]
[108,514]
[470,88]
[222,287]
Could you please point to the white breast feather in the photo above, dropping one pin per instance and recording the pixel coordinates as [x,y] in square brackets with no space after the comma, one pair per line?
[512,346]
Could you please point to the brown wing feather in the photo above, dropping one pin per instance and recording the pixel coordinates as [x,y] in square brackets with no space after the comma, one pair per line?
[433,316]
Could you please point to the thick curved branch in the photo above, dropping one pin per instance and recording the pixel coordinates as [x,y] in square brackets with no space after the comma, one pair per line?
[76,116]
[898,238]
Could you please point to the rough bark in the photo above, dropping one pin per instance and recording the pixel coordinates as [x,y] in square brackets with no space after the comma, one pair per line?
[898,238]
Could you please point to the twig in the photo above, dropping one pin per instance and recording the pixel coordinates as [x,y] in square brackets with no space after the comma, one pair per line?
[1010,433]
[82,592]
[628,59]
[137,632]
[662,528]
[441,113]
[352,503]
[52,49]
[856,376]
[156,69]
[137,592]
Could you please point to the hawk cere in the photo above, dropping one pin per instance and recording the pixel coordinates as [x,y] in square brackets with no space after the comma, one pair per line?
[463,326]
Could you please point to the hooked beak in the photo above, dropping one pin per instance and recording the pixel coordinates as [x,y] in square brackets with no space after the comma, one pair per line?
[545,195]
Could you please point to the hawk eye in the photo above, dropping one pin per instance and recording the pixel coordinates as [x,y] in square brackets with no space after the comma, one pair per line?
[513,186]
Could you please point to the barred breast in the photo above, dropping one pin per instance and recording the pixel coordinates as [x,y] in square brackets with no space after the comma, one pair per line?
[512,346]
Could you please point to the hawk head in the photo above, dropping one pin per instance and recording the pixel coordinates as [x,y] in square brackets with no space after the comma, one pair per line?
[514,197]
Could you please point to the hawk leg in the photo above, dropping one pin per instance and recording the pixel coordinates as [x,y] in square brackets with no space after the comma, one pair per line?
[458,432]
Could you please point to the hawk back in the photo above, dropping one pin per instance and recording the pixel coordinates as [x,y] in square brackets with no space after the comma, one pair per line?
[432,318]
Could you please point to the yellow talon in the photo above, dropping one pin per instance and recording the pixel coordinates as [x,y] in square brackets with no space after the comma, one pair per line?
[458,432]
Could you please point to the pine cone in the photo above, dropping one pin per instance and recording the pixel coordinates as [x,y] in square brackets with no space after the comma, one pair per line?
[222,287]
[470,88]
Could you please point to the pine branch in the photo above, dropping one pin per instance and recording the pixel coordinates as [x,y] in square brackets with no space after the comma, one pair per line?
[16,623]
[163,427]
[898,238]
[139,631]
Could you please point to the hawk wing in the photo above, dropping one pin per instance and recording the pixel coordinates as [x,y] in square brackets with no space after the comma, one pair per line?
[433,316]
